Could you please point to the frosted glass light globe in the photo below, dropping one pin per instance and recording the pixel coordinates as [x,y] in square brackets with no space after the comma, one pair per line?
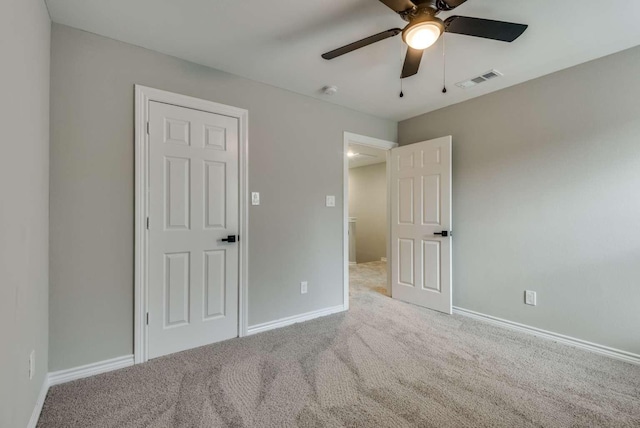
[422,35]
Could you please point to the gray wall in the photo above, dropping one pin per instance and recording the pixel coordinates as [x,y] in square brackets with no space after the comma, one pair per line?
[546,182]
[24,210]
[368,202]
[295,160]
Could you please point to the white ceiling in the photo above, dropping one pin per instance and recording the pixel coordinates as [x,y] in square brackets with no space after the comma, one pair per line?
[366,156]
[279,42]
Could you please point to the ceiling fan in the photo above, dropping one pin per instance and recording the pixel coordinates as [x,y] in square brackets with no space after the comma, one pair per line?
[425,28]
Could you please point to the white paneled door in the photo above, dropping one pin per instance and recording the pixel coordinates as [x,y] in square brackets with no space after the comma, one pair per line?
[421,223]
[193,206]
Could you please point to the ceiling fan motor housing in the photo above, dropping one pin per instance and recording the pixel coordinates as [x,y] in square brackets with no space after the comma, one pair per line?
[438,5]
[420,11]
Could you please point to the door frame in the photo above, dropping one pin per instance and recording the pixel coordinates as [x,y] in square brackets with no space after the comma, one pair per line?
[377,143]
[143,97]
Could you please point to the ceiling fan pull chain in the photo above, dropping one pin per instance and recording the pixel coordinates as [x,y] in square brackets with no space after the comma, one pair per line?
[444,65]
[401,62]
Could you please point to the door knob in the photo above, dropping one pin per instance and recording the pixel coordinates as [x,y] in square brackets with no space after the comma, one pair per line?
[444,233]
[229,238]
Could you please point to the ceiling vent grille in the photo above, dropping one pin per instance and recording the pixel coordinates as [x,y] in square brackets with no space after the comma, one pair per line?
[492,74]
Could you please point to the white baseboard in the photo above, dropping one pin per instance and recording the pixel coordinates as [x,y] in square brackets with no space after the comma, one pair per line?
[353,263]
[63,376]
[618,354]
[283,322]
[383,259]
[37,409]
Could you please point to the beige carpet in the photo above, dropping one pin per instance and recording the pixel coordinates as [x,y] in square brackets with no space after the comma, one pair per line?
[382,364]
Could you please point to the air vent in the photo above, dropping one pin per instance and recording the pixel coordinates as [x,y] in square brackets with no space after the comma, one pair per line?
[492,74]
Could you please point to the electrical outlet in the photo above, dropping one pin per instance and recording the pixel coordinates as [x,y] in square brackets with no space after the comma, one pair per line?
[331,201]
[32,364]
[255,198]
[530,297]
[303,287]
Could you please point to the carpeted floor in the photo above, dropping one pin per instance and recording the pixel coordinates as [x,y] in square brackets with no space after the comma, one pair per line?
[382,364]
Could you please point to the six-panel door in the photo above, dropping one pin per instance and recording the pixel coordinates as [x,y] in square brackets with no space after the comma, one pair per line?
[193,204]
[421,208]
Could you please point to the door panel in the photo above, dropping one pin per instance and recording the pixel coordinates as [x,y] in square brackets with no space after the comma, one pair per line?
[177,191]
[177,285]
[193,204]
[406,267]
[214,277]
[215,195]
[176,131]
[431,264]
[431,200]
[421,207]
[405,200]
[215,138]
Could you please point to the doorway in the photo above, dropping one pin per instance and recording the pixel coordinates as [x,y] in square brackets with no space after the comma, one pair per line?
[366,216]
[418,264]
[191,223]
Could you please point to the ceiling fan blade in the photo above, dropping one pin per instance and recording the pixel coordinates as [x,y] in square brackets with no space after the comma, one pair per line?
[411,62]
[398,5]
[361,43]
[486,28]
[449,4]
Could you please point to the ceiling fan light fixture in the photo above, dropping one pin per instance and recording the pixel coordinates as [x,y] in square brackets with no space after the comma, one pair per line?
[420,35]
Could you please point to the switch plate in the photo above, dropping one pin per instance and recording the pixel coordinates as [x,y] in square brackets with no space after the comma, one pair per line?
[255,198]
[303,287]
[331,201]
[530,297]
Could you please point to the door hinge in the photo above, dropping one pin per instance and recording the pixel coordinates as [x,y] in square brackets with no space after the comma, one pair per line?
[147,223]
[147,128]
[147,318]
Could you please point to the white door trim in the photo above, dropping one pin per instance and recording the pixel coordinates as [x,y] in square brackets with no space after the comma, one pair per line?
[362,140]
[143,96]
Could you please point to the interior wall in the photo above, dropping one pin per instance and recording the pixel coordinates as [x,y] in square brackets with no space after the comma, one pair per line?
[545,197]
[24,210]
[295,160]
[368,203]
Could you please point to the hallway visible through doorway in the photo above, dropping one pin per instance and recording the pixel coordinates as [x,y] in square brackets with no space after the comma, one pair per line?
[371,276]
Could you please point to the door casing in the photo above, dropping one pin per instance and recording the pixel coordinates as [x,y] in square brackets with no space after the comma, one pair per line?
[143,96]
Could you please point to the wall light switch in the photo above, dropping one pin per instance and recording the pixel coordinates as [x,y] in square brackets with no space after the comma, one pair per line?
[255,198]
[331,201]
[530,297]
[303,287]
